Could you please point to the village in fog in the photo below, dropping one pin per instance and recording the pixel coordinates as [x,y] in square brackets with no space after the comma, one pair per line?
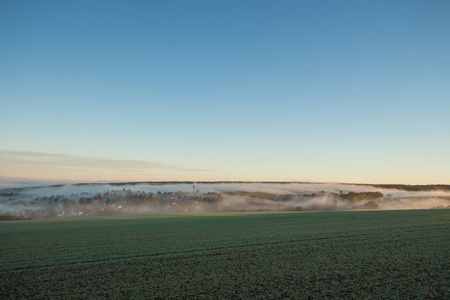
[84,200]
[108,203]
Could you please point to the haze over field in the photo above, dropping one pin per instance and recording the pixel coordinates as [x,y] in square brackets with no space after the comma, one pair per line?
[315,91]
[75,200]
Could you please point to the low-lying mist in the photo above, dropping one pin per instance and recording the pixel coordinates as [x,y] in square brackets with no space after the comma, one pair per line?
[115,198]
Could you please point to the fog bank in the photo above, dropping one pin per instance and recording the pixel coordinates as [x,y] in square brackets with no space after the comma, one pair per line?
[82,199]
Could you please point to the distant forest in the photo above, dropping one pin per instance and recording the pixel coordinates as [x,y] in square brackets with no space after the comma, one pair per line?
[404,187]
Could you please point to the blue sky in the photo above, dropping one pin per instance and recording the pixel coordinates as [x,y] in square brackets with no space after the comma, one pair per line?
[346,91]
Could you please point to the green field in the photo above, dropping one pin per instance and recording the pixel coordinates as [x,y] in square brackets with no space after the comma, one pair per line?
[359,254]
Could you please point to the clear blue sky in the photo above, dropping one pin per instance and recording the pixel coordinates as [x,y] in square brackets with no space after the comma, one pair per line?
[347,91]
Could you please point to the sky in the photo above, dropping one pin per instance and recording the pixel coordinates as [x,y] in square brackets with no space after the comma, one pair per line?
[322,91]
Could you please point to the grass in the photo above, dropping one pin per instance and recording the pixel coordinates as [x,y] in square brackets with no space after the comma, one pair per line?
[367,254]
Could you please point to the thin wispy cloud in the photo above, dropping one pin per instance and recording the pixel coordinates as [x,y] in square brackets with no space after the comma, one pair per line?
[75,164]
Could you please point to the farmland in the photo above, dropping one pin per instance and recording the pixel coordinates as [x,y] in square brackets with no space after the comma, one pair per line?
[352,254]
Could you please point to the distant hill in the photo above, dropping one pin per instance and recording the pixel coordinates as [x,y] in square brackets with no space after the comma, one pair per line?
[413,188]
